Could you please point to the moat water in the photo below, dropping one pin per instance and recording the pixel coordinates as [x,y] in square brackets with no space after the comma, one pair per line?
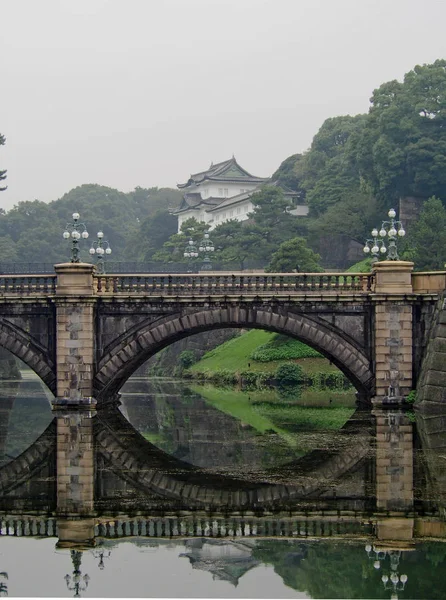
[255,495]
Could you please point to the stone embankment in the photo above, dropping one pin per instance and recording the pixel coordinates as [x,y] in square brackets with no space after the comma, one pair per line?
[431,387]
[431,405]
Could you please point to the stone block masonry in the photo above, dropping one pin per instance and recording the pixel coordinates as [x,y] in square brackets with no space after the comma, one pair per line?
[75,333]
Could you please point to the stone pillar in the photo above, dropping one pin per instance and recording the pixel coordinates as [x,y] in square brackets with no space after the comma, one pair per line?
[75,477]
[393,329]
[75,334]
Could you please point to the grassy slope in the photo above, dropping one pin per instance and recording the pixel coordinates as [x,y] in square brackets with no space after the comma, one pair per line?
[234,355]
[268,412]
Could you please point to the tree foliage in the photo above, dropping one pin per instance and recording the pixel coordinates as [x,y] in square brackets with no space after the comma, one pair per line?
[427,240]
[401,150]
[2,172]
[294,255]
[34,229]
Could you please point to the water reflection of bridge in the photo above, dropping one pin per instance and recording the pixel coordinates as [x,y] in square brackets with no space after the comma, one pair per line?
[84,468]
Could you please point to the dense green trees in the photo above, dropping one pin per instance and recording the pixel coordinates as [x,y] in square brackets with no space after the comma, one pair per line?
[358,167]
[401,150]
[32,230]
[2,173]
[294,255]
[426,245]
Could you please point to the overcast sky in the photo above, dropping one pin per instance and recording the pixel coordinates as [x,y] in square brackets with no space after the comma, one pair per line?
[130,93]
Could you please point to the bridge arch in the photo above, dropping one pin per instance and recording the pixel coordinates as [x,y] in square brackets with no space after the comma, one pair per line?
[19,343]
[132,349]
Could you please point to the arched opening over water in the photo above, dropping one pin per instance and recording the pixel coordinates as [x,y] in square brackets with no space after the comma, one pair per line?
[25,406]
[134,347]
[234,429]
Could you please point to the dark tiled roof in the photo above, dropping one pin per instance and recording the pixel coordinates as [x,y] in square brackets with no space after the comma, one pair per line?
[228,170]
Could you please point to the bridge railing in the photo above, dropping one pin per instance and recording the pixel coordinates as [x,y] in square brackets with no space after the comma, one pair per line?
[27,284]
[225,284]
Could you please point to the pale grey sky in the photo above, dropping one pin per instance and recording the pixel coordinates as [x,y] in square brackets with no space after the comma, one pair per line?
[144,92]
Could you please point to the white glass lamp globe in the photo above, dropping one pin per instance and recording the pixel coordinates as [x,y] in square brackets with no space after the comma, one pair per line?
[375,250]
[85,234]
[211,249]
[108,251]
[392,232]
[392,213]
[374,232]
[190,242]
[75,235]
[401,232]
[76,216]
[366,249]
[201,249]
[385,579]
[368,548]
[187,254]
[403,578]
[383,249]
[382,232]
[206,235]
[92,251]
[376,564]
[100,234]
[66,235]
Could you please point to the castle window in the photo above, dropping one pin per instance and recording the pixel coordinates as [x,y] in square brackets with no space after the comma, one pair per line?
[226,191]
[220,191]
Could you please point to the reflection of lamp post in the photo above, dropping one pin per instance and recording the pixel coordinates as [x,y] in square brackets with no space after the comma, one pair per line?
[96,248]
[76,583]
[190,252]
[391,581]
[205,247]
[3,585]
[392,229]
[71,230]
[101,554]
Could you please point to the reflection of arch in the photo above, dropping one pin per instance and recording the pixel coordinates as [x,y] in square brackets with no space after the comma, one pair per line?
[132,349]
[30,352]
[21,469]
[147,468]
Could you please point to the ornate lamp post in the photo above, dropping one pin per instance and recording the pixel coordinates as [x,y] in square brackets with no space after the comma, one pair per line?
[72,230]
[392,229]
[97,248]
[205,247]
[190,252]
[76,583]
[375,246]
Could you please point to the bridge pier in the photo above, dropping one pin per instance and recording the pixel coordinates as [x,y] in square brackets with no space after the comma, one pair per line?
[393,330]
[75,329]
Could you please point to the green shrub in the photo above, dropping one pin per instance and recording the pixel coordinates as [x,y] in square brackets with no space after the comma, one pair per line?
[254,379]
[187,358]
[283,348]
[411,397]
[288,374]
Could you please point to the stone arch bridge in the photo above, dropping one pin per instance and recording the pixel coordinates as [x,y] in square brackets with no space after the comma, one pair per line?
[85,334]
